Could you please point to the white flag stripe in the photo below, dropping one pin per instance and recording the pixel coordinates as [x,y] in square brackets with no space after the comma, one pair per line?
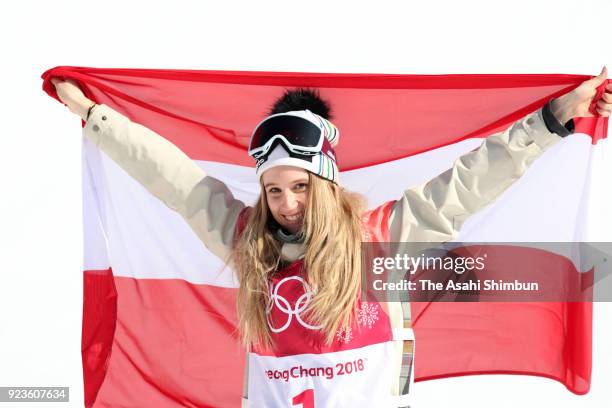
[146,240]
[94,241]
[598,194]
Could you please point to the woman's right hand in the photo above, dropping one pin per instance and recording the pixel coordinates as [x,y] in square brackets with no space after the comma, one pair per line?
[71,95]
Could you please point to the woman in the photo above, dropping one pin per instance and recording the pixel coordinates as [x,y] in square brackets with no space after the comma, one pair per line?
[297,251]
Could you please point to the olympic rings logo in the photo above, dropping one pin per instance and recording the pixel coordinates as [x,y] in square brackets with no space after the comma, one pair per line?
[286,307]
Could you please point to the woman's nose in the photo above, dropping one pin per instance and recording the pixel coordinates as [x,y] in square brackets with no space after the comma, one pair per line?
[289,202]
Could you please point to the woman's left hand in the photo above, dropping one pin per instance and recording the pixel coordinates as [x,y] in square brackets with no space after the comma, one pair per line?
[576,103]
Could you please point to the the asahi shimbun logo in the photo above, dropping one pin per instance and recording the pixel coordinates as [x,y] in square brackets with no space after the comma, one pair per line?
[291,310]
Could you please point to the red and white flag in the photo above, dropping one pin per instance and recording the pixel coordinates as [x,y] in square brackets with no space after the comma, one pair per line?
[159,323]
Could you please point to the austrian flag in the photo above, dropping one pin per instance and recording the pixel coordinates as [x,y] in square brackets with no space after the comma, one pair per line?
[159,322]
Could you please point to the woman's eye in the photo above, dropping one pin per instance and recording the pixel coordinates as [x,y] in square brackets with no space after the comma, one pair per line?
[301,186]
[273,190]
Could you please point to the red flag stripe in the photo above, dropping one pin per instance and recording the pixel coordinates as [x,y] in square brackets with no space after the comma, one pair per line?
[210,114]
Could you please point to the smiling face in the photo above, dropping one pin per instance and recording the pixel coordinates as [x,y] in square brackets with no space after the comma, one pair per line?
[286,189]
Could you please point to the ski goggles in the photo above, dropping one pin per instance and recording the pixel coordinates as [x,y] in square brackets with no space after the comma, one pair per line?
[301,132]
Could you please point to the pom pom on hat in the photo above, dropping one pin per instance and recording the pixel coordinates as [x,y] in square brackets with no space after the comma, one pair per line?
[302,99]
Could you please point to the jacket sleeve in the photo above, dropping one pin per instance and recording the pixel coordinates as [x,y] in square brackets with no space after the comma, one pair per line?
[435,211]
[204,202]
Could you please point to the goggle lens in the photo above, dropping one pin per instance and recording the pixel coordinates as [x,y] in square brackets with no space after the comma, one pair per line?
[298,131]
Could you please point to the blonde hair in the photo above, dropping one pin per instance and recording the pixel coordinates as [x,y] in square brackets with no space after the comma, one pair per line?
[332,261]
